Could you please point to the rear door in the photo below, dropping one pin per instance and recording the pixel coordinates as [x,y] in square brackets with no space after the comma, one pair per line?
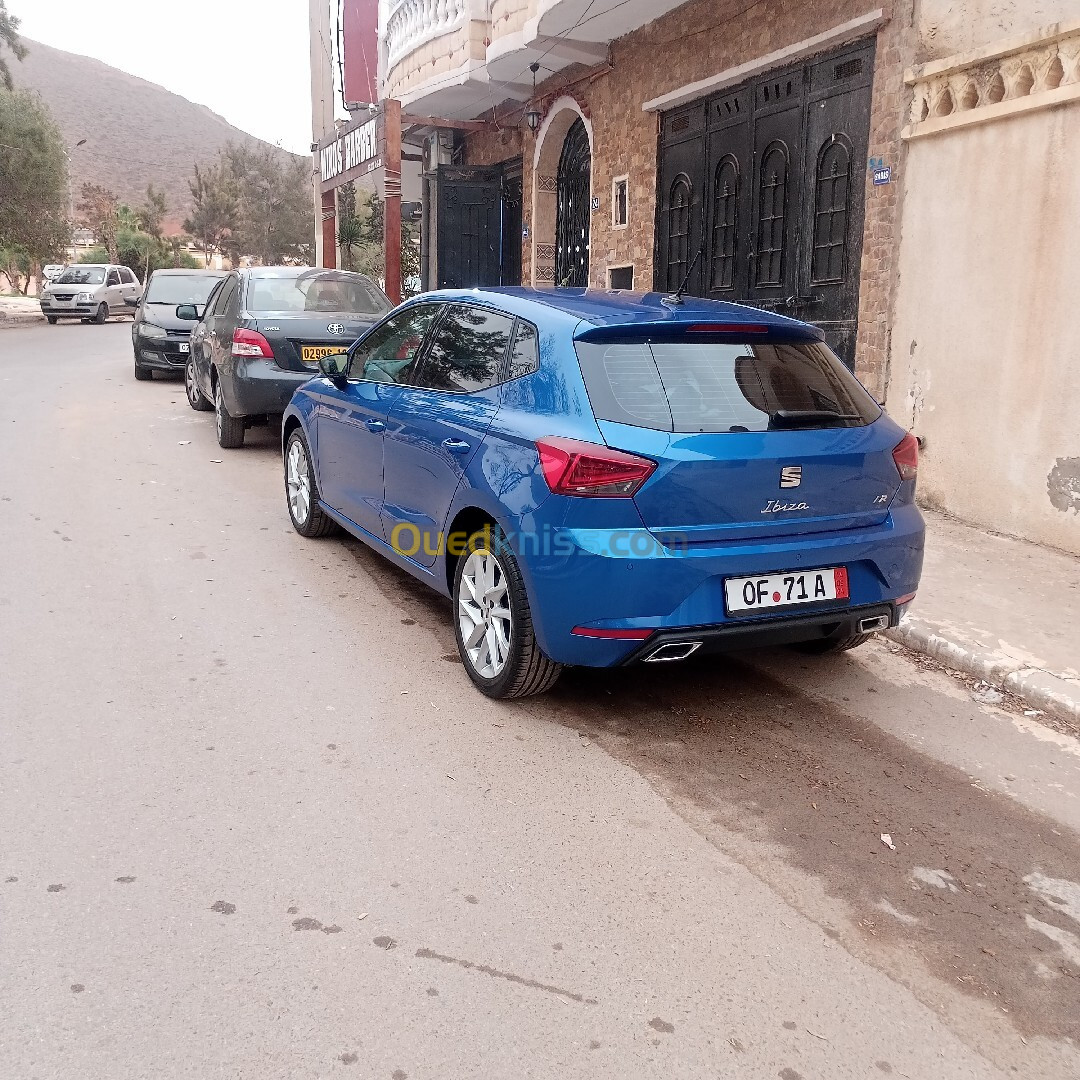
[751,440]
[436,428]
[351,415]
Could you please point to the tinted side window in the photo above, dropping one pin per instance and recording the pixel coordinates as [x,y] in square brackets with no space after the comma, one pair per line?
[114,278]
[211,300]
[468,350]
[128,276]
[225,294]
[391,351]
[525,355]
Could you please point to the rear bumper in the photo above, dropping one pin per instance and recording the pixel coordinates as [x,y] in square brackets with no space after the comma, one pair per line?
[260,387]
[584,580]
[764,633]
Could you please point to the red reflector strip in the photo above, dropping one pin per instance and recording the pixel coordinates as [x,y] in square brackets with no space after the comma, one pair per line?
[840,578]
[727,328]
[618,635]
[905,599]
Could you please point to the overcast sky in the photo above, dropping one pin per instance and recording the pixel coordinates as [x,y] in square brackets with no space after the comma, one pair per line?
[245,59]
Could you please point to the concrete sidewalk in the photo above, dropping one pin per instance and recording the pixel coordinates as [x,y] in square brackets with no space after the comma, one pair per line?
[19,311]
[1006,611]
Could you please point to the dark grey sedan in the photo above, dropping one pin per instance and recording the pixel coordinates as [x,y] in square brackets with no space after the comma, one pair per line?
[262,335]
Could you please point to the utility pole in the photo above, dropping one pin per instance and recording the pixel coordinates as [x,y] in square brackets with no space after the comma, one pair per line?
[321,57]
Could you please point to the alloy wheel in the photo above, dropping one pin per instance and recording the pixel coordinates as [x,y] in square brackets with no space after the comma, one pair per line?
[484,614]
[219,405]
[190,385]
[298,482]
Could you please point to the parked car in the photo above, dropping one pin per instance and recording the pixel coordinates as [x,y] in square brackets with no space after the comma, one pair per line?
[262,335]
[599,479]
[160,338]
[89,291]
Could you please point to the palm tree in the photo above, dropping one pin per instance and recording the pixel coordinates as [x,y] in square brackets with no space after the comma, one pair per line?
[350,238]
[9,36]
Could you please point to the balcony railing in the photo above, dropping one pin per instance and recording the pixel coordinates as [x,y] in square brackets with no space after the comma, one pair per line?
[413,23]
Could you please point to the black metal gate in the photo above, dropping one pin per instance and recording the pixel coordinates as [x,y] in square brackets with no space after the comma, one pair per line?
[476,226]
[573,209]
[764,185]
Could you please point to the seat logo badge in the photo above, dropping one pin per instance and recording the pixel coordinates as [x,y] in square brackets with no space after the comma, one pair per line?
[791,476]
[335,328]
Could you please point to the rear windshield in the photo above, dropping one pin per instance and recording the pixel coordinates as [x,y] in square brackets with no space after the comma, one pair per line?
[175,289]
[708,387]
[332,292]
[82,275]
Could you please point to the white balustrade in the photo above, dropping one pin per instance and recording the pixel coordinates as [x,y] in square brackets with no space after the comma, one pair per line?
[412,23]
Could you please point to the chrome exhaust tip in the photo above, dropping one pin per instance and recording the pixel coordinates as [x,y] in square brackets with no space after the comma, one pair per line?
[673,650]
[878,622]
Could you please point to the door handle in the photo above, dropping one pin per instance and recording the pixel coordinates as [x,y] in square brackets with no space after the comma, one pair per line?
[455,446]
[375,425]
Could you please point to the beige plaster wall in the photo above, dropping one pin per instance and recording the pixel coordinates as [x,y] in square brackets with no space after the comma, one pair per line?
[946,27]
[986,338]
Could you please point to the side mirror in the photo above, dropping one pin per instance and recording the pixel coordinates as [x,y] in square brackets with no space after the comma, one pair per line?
[133,301]
[188,312]
[334,365]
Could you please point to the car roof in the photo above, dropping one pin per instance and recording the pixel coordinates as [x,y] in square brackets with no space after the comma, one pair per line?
[602,308]
[298,271]
[188,271]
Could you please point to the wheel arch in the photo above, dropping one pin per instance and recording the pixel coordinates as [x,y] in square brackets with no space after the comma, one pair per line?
[468,519]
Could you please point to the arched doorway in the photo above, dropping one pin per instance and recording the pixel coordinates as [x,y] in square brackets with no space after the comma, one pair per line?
[561,196]
[572,209]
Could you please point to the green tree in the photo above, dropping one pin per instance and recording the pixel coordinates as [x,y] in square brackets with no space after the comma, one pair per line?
[33,179]
[371,255]
[9,36]
[152,212]
[274,197]
[17,266]
[350,240]
[215,213]
[99,211]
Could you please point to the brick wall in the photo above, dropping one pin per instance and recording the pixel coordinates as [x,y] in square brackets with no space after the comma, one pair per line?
[696,41]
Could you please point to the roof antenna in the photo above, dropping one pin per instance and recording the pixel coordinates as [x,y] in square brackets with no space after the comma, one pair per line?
[677,296]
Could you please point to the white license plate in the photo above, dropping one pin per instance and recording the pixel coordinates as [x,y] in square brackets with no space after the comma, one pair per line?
[185,346]
[795,588]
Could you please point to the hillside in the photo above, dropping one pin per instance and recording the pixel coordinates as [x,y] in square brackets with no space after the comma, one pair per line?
[136,132]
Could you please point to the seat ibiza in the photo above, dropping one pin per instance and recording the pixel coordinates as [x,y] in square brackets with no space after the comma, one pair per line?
[601,479]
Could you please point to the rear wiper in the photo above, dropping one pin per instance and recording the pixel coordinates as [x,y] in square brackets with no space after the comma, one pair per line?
[784,417]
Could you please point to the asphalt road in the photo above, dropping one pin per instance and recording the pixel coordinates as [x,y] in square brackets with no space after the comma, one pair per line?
[255,822]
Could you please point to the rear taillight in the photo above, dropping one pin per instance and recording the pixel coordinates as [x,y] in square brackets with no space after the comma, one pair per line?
[582,468]
[906,456]
[250,343]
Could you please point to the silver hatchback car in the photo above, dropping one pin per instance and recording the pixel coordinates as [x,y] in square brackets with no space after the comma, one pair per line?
[91,292]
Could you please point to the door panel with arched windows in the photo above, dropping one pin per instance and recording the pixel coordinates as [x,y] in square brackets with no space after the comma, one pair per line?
[775,175]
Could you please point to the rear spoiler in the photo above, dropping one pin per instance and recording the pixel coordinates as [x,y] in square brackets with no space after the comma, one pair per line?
[720,331]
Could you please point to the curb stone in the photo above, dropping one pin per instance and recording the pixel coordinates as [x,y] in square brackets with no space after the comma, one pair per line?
[1038,689]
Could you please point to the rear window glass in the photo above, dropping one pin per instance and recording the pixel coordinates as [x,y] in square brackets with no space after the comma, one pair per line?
[713,387]
[332,292]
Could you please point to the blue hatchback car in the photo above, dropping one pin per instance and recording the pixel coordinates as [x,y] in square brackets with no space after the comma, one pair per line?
[600,479]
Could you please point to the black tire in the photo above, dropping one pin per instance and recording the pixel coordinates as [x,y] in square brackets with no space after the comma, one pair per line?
[526,670]
[315,523]
[102,313]
[230,430]
[195,397]
[142,374]
[52,320]
[833,645]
